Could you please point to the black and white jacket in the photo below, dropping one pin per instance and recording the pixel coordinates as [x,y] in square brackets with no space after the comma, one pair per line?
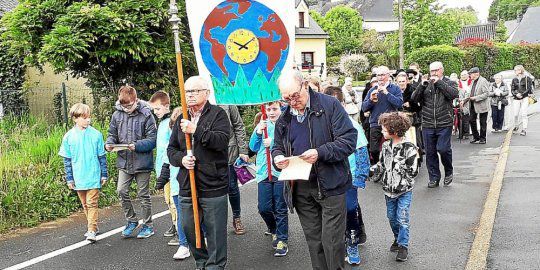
[397,168]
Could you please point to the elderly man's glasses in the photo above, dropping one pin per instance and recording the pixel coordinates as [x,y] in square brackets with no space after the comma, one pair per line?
[295,96]
[193,92]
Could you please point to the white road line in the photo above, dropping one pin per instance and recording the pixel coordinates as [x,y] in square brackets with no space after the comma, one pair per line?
[74,246]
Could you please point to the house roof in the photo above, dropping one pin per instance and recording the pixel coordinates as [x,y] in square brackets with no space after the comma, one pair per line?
[297,3]
[511,26]
[313,31]
[371,10]
[7,5]
[479,31]
[527,30]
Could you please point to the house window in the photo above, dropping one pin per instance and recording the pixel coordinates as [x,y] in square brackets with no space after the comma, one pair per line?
[301,18]
[307,60]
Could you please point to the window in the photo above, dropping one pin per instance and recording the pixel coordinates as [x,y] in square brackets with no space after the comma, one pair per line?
[301,18]
[307,60]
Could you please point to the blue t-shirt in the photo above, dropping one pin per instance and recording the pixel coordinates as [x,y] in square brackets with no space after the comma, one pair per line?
[162,142]
[84,147]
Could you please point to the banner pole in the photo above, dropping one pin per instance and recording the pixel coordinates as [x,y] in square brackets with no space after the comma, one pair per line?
[265,132]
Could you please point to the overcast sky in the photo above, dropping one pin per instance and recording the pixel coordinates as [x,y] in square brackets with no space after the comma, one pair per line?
[481,6]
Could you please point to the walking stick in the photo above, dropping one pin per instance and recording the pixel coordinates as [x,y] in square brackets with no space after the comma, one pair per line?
[174,20]
[265,131]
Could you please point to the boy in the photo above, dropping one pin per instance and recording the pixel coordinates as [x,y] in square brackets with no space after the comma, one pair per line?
[166,174]
[133,123]
[85,164]
[397,167]
[271,203]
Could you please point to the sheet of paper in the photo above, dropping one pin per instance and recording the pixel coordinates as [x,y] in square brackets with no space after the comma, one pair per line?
[119,147]
[298,169]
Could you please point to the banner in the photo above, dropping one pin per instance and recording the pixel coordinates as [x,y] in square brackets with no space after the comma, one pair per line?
[242,46]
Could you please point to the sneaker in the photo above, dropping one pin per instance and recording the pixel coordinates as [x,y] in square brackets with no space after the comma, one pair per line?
[182,253]
[86,233]
[353,257]
[523,132]
[402,254]
[515,130]
[433,184]
[174,241]
[268,233]
[475,141]
[394,247]
[170,232]
[91,236]
[448,180]
[281,249]
[495,131]
[482,142]
[274,241]
[238,226]
[145,232]
[130,227]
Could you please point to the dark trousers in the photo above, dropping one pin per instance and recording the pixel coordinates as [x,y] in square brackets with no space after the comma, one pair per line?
[354,216]
[474,126]
[234,192]
[497,116]
[465,119]
[375,143]
[437,142]
[273,209]
[213,214]
[323,222]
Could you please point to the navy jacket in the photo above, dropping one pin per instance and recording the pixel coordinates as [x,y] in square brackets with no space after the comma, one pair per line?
[391,102]
[331,134]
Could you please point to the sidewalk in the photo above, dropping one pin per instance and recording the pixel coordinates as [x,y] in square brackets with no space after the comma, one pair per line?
[515,243]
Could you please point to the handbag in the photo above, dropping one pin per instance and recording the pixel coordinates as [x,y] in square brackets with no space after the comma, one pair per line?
[532,99]
[504,101]
[245,171]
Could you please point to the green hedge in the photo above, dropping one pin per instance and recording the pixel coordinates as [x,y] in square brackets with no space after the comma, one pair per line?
[490,57]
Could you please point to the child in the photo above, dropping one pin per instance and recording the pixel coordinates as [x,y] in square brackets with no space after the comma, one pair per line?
[85,164]
[397,167]
[271,203]
[133,123]
[166,174]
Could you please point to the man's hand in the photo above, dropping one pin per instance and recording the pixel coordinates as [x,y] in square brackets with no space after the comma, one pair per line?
[310,156]
[243,157]
[267,142]
[103,181]
[261,127]
[108,147]
[187,126]
[383,90]
[188,162]
[434,79]
[131,147]
[281,162]
[373,96]
[406,104]
[71,185]
[519,95]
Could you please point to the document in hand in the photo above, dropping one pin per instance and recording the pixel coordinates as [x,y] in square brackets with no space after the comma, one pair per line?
[119,147]
[298,169]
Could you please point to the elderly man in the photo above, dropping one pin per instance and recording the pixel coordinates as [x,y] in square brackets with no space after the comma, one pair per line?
[435,97]
[316,128]
[479,105]
[209,128]
[382,98]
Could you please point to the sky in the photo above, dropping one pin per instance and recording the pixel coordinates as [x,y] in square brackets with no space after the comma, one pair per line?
[481,6]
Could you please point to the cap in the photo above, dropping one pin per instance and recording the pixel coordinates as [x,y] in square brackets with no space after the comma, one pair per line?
[474,70]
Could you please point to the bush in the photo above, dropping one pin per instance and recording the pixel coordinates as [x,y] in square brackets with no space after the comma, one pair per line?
[353,65]
[451,57]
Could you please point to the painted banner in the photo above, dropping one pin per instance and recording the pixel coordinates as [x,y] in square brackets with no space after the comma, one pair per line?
[242,46]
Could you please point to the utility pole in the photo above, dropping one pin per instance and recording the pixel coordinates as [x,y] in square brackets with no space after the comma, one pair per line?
[401,50]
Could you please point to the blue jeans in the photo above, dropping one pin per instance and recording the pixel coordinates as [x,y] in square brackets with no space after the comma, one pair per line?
[273,209]
[234,192]
[437,140]
[353,215]
[181,235]
[498,117]
[398,212]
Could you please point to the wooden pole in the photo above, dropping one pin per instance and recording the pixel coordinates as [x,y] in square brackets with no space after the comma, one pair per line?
[265,132]
[401,26]
[174,20]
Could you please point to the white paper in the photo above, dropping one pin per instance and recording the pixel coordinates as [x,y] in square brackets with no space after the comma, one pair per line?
[298,169]
[119,147]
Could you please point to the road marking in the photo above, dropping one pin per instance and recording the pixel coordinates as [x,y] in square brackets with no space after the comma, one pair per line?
[75,246]
[480,247]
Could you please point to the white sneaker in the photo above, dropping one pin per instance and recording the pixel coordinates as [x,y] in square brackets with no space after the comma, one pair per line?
[91,236]
[86,233]
[182,253]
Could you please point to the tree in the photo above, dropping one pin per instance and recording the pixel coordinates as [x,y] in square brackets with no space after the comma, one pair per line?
[463,16]
[425,27]
[506,10]
[353,65]
[501,33]
[344,26]
[108,42]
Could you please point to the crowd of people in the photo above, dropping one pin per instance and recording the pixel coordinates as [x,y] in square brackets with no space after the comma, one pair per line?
[401,119]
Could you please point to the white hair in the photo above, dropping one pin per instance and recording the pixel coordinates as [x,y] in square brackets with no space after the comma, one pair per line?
[383,69]
[464,73]
[196,82]
[288,76]
[436,65]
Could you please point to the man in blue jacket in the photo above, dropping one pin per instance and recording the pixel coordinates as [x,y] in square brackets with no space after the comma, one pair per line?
[382,98]
[316,128]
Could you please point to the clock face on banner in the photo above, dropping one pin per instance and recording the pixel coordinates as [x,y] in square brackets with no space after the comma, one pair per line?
[244,45]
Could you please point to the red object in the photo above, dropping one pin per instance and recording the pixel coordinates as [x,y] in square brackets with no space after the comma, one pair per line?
[265,132]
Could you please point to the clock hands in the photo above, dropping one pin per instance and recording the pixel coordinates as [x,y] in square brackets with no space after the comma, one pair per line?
[244,46]
[248,42]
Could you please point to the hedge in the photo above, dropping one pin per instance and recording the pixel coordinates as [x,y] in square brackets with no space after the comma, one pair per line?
[451,57]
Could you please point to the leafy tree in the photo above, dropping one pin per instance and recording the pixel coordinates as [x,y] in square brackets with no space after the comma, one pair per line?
[353,64]
[506,10]
[108,42]
[344,26]
[501,33]
[12,99]
[464,16]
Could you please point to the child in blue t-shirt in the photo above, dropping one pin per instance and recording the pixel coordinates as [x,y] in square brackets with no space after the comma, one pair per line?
[85,164]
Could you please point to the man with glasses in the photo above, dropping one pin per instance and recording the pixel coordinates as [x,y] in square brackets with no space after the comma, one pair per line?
[210,129]
[316,128]
[435,97]
[382,98]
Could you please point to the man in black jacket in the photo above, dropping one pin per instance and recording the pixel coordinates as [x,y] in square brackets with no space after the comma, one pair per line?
[209,128]
[316,128]
[435,97]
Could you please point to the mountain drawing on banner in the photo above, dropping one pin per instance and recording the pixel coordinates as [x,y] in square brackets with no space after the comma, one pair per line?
[244,44]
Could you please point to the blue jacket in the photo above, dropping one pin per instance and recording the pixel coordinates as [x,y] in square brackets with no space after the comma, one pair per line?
[256,145]
[333,136]
[393,101]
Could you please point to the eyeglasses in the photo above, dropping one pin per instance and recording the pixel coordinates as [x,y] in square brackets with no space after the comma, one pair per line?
[129,106]
[193,92]
[382,74]
[295,96]
[435,70]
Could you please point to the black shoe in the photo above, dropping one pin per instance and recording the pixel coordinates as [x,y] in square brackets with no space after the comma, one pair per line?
[394,247]
[448,180]
[475,141]
[362,237]
[170,232]
[433,184]
[402,254]
[482,142]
